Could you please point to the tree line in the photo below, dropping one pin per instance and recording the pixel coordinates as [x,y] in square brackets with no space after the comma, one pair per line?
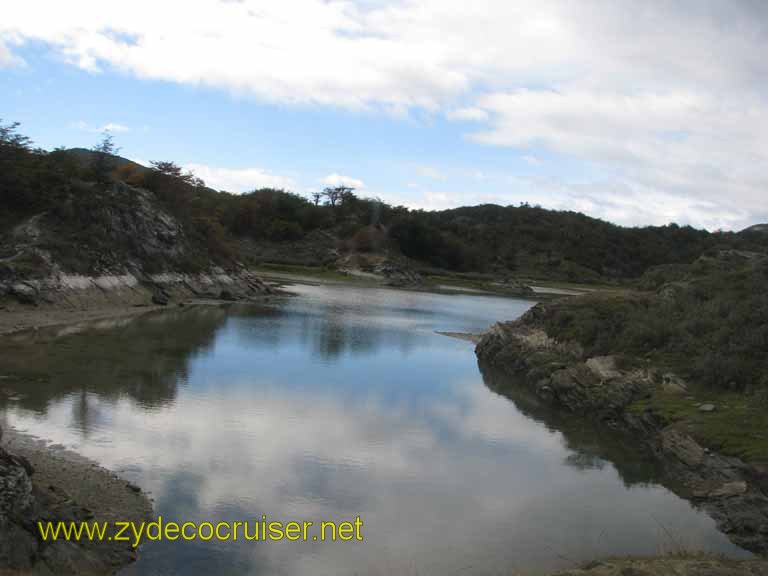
[72,185]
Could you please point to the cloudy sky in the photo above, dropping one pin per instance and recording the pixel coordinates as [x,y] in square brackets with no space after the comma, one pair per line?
[636,112]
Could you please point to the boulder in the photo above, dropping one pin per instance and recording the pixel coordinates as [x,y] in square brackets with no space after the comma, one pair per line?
[673,384]
[24,293]
[604,367]
[729,489]
[682,447]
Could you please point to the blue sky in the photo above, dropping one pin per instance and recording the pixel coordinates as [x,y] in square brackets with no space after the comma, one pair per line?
[431,104]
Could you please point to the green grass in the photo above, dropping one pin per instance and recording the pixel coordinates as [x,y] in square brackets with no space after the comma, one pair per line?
[738,427]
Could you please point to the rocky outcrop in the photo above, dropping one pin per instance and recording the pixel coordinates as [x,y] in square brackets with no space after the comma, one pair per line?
[143,255]
[600,388]
[79,291]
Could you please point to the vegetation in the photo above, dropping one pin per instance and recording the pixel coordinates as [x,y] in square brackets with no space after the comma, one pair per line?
[76,188]
[707,321]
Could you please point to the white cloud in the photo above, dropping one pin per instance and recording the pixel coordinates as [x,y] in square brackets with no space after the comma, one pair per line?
[468,114]
[240,179]
[108,127]
[668,97]
[7,58]
[341,180]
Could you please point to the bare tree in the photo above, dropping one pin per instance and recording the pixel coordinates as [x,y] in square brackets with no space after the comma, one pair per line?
[316,197]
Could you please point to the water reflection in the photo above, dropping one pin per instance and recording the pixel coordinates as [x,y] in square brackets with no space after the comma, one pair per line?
[332,405]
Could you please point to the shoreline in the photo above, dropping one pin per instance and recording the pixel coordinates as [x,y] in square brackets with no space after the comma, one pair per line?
[48,483]
[40,481]
[520,355]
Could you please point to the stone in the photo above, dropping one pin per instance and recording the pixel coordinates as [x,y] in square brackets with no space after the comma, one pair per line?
[24,293]
[226,295]
[673,384]
[682,447]
[604,367]
[707,408]
[729,489]
[160,299]
[563,380]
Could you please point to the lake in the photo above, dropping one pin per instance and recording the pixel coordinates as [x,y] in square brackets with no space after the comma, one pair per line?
[342,402]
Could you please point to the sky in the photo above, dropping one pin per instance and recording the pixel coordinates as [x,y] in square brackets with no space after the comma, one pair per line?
[635,112]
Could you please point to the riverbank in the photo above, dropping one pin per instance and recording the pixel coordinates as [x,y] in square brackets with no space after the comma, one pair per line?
[622,394]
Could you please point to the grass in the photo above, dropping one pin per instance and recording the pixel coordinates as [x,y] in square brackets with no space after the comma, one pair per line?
[738,427]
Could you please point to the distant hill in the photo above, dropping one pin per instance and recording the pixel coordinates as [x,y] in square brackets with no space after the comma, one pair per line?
[760,228]
[87,200]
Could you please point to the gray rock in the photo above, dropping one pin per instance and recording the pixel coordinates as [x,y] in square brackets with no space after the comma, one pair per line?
[64,557]
[682,447]
[729,489]
[604,367]
[707,408]
[673,384]
[160,299]
[24,293]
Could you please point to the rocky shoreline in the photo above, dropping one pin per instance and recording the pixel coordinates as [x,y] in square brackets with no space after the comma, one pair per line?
[42,483]
[522,354]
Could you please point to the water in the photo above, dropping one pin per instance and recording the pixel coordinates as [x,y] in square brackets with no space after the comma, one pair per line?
[339,403]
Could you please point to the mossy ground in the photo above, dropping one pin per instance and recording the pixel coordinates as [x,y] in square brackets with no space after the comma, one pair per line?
[738,426]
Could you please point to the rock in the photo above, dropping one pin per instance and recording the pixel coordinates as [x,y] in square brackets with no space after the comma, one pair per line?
[227,295]
[707,408]
[673,384]
[729,489]
[682,447]
[160,299]
[17,546]
[563,380]
[515,287]
[604,367]
[64,557]
[690,564]
[24,293]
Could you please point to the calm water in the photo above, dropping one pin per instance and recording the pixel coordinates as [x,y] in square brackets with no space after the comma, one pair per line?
[339,403]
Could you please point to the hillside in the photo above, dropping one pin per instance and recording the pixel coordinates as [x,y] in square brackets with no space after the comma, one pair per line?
[92,212]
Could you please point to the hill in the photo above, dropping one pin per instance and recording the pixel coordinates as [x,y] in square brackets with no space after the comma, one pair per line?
[93,212]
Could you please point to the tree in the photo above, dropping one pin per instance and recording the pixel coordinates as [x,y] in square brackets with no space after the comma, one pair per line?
[336,195]
[316,196]
[10,137]
[104,161]
[173,170]
[18,168]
